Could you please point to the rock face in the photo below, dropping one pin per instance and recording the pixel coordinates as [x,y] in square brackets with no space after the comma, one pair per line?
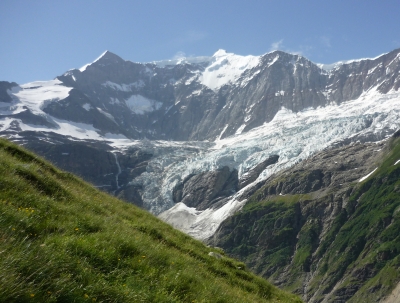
[204,190]
[317,230]
[253,174]
[4,87]
[96,163]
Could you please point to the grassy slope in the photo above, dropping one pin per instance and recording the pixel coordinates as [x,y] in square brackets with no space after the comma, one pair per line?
[373,232]
[61,240]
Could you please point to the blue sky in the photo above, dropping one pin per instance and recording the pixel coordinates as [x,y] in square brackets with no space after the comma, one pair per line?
[42,39]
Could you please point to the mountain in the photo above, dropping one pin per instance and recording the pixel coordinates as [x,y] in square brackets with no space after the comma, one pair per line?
[63,241]
[192,140]
[116,122]
[202,99]
[327,228]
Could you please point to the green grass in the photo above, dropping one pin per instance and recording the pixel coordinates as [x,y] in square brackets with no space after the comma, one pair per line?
[358,255]
[61,240]
[365,236]
[272,225]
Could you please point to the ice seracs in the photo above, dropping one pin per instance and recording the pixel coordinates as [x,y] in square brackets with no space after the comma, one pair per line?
[292,136]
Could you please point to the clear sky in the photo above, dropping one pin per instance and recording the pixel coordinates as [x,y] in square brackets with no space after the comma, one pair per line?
[40,40]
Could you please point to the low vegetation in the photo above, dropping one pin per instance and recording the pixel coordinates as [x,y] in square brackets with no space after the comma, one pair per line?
[351,254]
[61,240]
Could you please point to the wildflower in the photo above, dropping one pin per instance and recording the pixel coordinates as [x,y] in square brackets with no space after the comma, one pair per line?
[32,295]
[76,228]
[86,296]
[143,256]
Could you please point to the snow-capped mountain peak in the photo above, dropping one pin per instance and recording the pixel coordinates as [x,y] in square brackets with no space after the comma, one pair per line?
[220,52]
[225,68]
[107,55]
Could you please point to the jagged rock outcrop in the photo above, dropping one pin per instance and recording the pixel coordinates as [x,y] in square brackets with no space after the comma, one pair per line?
[4,87]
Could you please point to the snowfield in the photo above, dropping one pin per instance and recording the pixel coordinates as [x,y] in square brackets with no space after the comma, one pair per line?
[35,96]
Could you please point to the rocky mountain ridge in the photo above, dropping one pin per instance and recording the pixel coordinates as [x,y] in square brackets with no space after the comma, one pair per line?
[173,102]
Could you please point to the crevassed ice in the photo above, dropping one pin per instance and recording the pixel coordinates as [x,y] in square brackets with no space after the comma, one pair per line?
[292,136]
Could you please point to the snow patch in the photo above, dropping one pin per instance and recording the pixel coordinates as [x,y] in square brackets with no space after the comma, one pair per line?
[37,95]
[273,61]
[124,87]
[83,68]
[365,177]
[87,106]
[200,224]
[108,115]
[139,104]
[240,129]
[114,101]
[223,131]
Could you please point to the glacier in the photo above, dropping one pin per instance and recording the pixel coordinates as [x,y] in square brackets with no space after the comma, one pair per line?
[292,136]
